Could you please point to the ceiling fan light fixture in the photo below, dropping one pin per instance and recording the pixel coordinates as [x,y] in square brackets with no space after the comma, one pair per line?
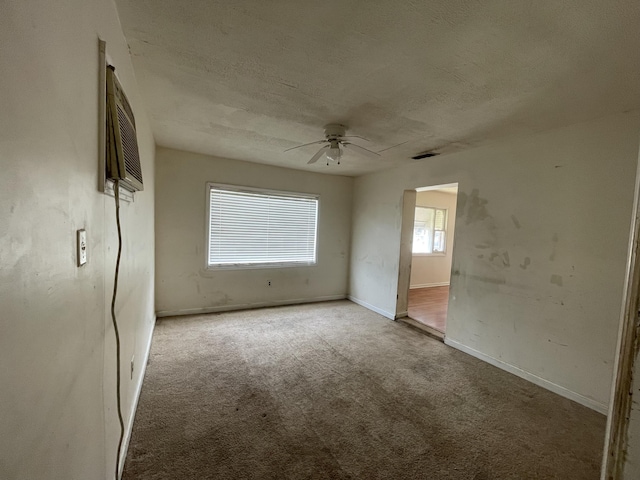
[334,154]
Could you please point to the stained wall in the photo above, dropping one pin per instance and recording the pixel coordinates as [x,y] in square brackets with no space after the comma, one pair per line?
[542,228]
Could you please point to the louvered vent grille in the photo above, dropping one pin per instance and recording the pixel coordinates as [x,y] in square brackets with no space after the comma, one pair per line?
[129,146]
[122,100]
[122,155]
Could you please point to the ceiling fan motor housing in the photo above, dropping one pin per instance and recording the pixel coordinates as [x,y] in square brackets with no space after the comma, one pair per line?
[334,131]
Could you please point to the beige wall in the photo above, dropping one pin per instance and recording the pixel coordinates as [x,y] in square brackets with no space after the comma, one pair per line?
[537,286]
[57,401]
[184,285]
[432,270]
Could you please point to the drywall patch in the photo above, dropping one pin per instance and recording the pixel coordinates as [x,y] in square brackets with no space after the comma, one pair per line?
[526,263]
[479,278]
[556,280]
[476,207]
[516,222]
[505,260]
[462,203]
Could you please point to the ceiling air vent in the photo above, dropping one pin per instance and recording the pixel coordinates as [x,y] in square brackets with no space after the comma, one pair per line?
[422,155]
[123,158]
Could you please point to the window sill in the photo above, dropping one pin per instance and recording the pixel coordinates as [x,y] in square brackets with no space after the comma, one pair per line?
[429,254]
[260,266]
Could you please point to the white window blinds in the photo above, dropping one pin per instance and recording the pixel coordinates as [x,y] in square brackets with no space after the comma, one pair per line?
[252,227]
[429,230]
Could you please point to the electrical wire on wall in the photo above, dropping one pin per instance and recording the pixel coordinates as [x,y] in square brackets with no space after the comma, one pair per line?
[116,194]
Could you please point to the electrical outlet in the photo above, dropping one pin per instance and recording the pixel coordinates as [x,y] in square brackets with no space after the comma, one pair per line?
[133,363]
[81,246]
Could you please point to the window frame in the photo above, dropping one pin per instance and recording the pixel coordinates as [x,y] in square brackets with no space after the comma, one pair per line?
[265,191]
[433,233]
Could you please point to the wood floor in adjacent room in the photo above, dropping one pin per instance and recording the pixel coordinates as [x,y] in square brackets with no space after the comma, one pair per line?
[429,305]
[335,391]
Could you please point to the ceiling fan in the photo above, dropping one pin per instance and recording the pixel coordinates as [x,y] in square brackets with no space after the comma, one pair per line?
[336,141]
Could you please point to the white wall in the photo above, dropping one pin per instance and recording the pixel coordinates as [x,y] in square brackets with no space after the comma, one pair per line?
[541,235]
[184,285]
[435,269]
[57,367]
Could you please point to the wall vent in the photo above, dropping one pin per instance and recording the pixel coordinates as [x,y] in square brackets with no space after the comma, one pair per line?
[422,155]
[122,156]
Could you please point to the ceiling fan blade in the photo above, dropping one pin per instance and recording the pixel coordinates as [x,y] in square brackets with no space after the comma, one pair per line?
[318,154]
[361,150]
[355,136]
[392,146]
[305,145]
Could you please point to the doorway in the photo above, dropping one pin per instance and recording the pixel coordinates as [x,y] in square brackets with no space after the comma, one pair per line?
[432,237]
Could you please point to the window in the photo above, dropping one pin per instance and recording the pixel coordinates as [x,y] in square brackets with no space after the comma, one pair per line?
[251,227]
[429,230]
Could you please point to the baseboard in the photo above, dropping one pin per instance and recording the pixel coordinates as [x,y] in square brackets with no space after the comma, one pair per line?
[129,427]
[426,285]
[401,315]
[541,382]
[368,306]
[247,306]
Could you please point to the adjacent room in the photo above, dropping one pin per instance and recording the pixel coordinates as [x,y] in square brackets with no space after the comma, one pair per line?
[432,254]
[359,240]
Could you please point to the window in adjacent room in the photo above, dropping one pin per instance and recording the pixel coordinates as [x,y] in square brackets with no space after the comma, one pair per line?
[429,230]
[252,228]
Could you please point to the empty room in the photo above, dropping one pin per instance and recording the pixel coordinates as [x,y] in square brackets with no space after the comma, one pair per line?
[319,240]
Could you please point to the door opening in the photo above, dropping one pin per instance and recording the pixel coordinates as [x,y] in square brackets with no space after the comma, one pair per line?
[431,231]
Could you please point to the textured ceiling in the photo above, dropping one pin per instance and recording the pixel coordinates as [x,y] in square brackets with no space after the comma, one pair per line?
[247,79]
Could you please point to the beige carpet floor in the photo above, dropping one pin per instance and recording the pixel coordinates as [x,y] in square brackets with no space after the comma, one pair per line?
[334,391]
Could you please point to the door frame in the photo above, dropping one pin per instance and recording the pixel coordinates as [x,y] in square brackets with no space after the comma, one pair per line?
[628,346]
[406,254]
[409,198]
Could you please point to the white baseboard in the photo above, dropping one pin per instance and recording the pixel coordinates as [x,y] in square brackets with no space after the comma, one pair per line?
[364,304]
[541,382]
[246,306]
[425,285]
[129,427]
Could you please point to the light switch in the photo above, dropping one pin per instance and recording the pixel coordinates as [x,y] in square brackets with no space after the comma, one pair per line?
[82,247]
